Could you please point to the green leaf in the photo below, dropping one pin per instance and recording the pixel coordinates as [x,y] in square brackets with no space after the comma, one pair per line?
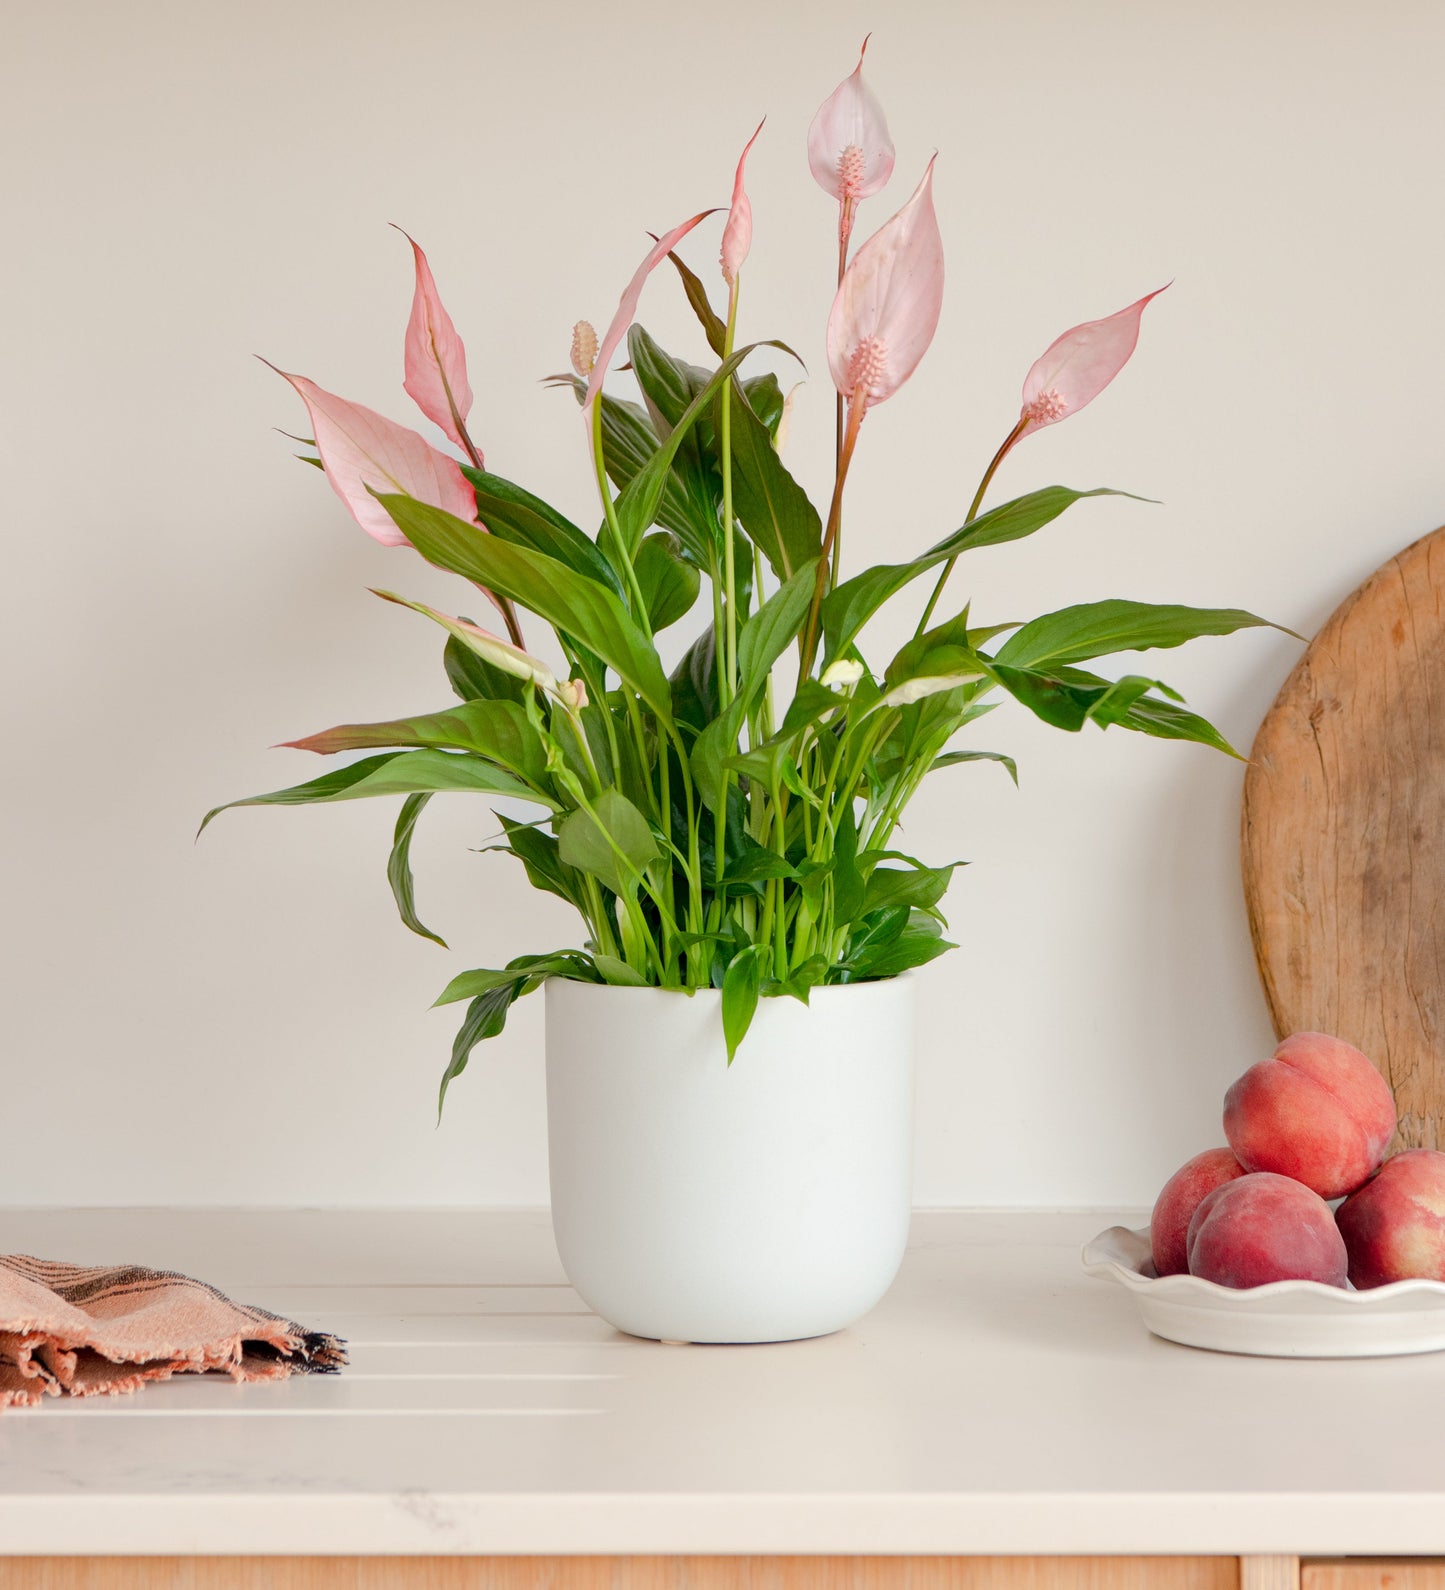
[765,398]
[668,582]
[713,326]
[771,506]
[919,888]
[473,678]
[485,1018]
[849,607]
[398,867]
[561,963]
[953,758]
[516,515]
[498,730]
[495,993]
[767,633]
[577,606]
[1095,629]
[611,845]
[637,505]
[539,854]
[919,943]
[669,386]
[396,773]
[618,973]
[739,997]
[1068,698]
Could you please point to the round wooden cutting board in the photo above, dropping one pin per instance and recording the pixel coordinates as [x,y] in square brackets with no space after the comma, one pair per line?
[1344,835]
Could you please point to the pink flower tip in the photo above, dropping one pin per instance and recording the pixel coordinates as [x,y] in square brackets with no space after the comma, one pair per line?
[737,236]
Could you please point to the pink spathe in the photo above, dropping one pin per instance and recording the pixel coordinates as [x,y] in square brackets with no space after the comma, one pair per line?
[363,451]
[850,152]
[737,236]
[1262,1228]
[627,304]
[1076,367]
[1318,1111]
[888,303]
[436,361]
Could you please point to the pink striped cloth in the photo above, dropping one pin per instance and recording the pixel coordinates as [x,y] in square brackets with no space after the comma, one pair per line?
[82,1331]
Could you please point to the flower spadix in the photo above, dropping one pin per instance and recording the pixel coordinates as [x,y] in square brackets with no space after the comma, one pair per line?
[737,236]
[849,150]
[888,304]
[364,452]
[1076,367]
[436,360]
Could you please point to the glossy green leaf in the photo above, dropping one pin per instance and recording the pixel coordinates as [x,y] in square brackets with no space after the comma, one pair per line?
[512,512]
[740,997]
[919,888]
[637,505]
[540,855]
[768,633]
[398,868]
[954,758]
[713,326]
[849,607]
[572,603]
[396,773]
[613,846]
[498,730]
[918,943]
[668,582]
[771,506]
[1095,629]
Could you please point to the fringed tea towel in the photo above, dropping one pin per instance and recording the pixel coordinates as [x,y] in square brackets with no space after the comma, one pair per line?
[82,1331]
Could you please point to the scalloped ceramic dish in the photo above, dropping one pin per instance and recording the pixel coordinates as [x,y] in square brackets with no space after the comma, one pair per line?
[1286,1319]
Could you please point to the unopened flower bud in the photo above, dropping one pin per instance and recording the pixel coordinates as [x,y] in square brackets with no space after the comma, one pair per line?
[843,674]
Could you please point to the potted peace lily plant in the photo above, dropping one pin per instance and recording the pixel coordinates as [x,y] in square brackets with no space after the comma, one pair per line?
[729,1047]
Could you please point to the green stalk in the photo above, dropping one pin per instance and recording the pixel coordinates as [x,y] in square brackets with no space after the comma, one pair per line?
[974,506]
[609,511]
[726,443]
[856,411]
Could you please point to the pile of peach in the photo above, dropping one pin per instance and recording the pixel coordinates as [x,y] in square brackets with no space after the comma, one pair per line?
[1311,1124]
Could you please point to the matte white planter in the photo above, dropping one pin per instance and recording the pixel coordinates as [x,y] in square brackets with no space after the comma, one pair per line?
[766,1201]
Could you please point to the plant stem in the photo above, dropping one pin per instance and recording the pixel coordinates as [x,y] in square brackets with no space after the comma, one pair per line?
[726,447]
[974,506]
[845,230]
[614,528]
[856,410]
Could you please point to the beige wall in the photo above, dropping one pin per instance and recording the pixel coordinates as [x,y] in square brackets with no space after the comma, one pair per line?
[186,184]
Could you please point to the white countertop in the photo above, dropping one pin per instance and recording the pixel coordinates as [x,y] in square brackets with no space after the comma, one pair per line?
[998,1401]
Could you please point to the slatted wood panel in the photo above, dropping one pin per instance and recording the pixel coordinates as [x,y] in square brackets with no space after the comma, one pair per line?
[1374,1573]
[626,1573]
[1344,835]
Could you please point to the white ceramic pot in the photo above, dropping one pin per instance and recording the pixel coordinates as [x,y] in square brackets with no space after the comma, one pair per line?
[701,1202]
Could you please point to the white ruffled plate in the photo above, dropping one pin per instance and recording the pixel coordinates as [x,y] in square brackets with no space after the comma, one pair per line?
[1286,1319]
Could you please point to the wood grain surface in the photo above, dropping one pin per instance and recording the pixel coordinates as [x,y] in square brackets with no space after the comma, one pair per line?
[1344,835]
[620,1573]
[1374,1573]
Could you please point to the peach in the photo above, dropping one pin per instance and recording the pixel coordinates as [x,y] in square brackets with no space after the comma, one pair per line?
[1318,1112]
[1394,1226]
[1175,1206]
[1261,1228]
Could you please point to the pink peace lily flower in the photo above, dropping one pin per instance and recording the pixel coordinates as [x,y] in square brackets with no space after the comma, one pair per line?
[627,306]
[363,451]
[737,236]
[1076,367]
[436,360]
[887,307]
[850,152]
